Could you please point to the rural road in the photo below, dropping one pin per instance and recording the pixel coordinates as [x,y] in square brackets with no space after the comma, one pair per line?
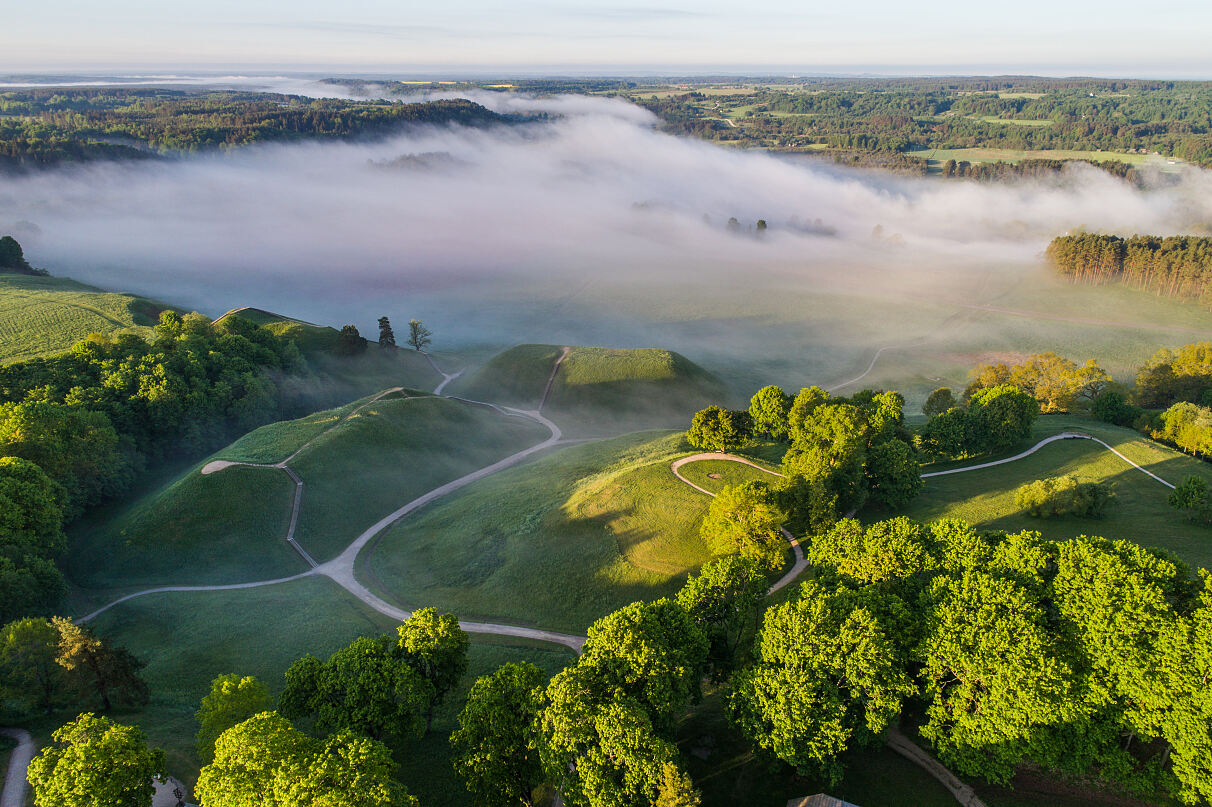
[15,784]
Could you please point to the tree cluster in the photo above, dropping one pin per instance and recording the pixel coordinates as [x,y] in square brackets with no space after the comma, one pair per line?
[993,419]
[1084,657]
[51,664]
[601,731]
[1058,384]
[75,429]
[1175,266]
[42,128]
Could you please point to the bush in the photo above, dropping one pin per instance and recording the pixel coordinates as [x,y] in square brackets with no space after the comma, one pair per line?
[1063,495]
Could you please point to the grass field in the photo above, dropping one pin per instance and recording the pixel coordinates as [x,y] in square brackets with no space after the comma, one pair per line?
[705,472]
[985,155]
[1139,512]
[41,316]
[197,530]
[229,526]
[556,543]
[189,639]
[390,453]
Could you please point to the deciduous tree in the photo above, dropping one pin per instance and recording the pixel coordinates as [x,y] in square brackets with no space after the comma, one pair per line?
[745,518]
[232,699]
[95,762]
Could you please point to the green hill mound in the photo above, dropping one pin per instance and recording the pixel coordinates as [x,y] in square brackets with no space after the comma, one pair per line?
[555,543]
[599,388]
[41,316]
[358,463]
[307,335]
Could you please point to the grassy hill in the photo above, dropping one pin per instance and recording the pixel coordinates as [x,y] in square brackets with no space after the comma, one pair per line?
[307,335]
[1138,513]
[597,389]
[556,543]
[229,526]
[41,316]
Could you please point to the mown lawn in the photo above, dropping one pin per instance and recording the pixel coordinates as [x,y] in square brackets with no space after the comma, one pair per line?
[1140,511]
[557,543]
[389,454]
[226,527]
[41,316]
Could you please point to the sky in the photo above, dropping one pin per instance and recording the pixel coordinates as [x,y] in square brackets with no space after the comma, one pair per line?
[1165,38]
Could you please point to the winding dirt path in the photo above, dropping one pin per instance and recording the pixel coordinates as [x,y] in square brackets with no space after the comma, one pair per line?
[341,569]
[15,783]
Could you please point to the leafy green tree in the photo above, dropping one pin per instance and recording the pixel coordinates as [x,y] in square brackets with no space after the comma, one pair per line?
[1005,414]
[95,762]
[994,673]
[387,337]
[723,600]
[30,672]
[896,549]
[77,448]
[953,434]
[12,257]
[111,673]
[247,759]
[602,751]
[496,744]
[1182,696]
[1191,497]
[344,770]
[745,518]
[826,675]
[436,647]
[768,409]
[716,429]
[894,475]
[652,651]
[349,342]
[232,699]
[802,409]
[1063,495]
[266,762]
[939,402]
[1112,407]
[677,789]
[419,337]
[368,687]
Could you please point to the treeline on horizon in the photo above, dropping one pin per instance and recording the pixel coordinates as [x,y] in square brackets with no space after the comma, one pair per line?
[1174,266]
[47,127]
[1171,118]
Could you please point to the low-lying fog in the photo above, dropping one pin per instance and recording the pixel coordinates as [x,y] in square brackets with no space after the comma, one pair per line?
[575,229]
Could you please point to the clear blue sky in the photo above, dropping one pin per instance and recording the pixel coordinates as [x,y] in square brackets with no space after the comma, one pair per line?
[1159,38]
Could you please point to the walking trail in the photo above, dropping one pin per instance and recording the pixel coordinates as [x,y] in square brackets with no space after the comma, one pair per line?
[15,783]
[341,568]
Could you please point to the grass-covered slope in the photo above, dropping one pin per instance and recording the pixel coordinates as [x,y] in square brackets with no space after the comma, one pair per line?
[389,454]
[41,316]
[197,530]
[361,462]
[1140,511]
[598,389]
[555,543]
[308,336]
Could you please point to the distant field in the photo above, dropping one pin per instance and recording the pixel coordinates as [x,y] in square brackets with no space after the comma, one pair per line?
[985,155]
[1139,513]
[556,543]
[41,316]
